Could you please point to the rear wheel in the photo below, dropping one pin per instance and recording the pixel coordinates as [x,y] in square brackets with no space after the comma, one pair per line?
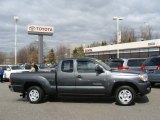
[125,95]
[35,94]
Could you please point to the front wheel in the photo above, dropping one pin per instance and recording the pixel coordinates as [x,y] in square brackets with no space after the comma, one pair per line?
[35,94]
[125,95]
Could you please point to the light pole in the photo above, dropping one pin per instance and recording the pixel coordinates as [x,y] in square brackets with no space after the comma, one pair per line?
[118,33]
[16,18]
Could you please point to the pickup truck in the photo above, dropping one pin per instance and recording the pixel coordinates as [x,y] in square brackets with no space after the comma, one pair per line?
[81,76]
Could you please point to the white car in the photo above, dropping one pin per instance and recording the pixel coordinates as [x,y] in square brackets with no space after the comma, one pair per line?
[8,69]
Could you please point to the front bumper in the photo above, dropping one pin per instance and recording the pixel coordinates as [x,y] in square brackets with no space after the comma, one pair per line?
[144,88]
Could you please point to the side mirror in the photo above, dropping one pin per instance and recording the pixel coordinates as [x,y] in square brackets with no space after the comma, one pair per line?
[99,69]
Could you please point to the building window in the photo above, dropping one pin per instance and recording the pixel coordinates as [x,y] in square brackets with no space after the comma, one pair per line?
[135,55]
[153,52]
[144,50]
[143,54]
[156,53]
[135,51]
[124,55]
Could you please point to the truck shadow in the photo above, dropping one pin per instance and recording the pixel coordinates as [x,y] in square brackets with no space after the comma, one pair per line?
[100,100]
[107,100]
[157,86]
[76,99]
[141,99]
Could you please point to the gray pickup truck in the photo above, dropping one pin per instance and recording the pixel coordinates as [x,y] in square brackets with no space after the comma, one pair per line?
[81,76]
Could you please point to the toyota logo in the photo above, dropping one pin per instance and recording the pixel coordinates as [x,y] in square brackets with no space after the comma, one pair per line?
[32,28]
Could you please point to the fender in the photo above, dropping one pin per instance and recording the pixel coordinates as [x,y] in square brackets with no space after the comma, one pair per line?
[26,80]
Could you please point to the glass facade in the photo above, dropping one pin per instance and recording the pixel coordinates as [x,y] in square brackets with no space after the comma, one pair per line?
[128,53]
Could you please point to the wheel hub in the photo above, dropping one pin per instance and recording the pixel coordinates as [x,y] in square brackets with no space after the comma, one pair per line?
[125,96]
[34,95]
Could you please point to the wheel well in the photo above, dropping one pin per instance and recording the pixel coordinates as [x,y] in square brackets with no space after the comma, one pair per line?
[30,84]
[118,84]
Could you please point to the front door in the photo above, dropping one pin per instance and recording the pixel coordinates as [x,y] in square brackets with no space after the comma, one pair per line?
[88,81]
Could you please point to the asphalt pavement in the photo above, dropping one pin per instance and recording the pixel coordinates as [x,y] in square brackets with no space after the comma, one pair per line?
[13,107]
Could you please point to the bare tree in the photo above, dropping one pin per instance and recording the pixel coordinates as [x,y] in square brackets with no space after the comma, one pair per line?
[61,52]
[127,35]
[22,55]
[2,57]
[146,33]
[28,54]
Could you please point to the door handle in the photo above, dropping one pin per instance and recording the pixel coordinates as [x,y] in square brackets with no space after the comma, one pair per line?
[79,76]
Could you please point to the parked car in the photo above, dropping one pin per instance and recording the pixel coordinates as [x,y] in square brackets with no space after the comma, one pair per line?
[81,76]
[126,63]
[26,66]
[8,69]
[152,67]
[42,67]
[53,68]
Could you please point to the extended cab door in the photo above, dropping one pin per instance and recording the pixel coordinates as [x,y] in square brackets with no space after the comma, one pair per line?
[66,77]
[88,81]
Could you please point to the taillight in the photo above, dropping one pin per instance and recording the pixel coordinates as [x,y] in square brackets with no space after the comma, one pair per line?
[143,68]
[158,67]
[122,68]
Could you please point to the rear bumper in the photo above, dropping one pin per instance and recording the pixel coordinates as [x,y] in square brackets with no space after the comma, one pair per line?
[16,88]
[144,88]
[11,88]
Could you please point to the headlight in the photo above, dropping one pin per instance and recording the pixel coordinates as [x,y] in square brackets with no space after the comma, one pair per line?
[143,77]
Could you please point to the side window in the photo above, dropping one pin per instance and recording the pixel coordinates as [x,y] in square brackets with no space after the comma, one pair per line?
[136,62]
[67,66]
[115,63]
[86,66]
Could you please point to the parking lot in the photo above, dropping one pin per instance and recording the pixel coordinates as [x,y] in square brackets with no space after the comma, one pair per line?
[13,107]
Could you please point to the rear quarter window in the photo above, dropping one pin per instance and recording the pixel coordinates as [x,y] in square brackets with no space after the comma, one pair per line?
[67,66]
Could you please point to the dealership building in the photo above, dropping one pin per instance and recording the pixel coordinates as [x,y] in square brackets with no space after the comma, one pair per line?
[139,49]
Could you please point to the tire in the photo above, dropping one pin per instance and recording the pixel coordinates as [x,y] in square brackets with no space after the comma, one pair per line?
[35,94]
[125,95]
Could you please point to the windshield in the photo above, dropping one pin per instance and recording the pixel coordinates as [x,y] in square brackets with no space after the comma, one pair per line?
[103,64]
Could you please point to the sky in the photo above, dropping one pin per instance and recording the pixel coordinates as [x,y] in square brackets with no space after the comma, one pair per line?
[74,21]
